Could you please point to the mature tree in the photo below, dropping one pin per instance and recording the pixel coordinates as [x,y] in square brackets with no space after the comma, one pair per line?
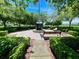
[1,2]
[69,8]
[5,12]
[15,10]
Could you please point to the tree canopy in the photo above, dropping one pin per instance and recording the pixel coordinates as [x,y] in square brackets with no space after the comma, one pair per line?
[66,8]
[15,10]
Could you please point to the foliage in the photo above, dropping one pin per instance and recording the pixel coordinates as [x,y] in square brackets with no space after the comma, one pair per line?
[72,42]
[1,2]
[75,28]
[3,33]
[61,50]
[15,11]
[17,52]
[57,22]
[67,8]
[2,28]
[35,1]
[14,29]
[6,44]
[9,43]
[75,33]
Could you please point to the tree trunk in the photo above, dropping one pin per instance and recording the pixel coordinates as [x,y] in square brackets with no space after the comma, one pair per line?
[4,23]
[19,24]
[70,22]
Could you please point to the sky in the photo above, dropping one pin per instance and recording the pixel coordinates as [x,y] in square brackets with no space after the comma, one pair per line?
[44,7]
[74,21]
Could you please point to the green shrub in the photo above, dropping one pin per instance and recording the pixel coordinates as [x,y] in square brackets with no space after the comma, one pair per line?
[62,28]
[75,33]
[48,26]
[2,28]
[3,33]
[75,28]
[61,50]
[66,28]
[7,44]
[18,51]
[72,42]
[14,29]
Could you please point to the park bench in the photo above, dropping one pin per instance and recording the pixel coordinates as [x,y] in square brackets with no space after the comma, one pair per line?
[50,33]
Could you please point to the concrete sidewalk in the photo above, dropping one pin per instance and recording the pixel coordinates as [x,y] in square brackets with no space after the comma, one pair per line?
[27,33]
[40,50]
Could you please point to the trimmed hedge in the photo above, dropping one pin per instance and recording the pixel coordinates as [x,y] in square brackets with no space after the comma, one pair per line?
[17,52]
[7,44]
[75,28]
[14,29]
[3,33]
[2,28]
[72,42]
[74,33]
[61,50]
[62,28]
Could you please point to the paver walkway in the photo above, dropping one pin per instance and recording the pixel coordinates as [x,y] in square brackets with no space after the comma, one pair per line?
[34,35]
[40,50]
[27,33]
[39,47]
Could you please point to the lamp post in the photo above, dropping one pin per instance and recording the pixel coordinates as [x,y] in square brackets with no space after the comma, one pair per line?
[39,24]
[39,9]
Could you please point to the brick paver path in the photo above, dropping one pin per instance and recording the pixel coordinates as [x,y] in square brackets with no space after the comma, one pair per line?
[40,50]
